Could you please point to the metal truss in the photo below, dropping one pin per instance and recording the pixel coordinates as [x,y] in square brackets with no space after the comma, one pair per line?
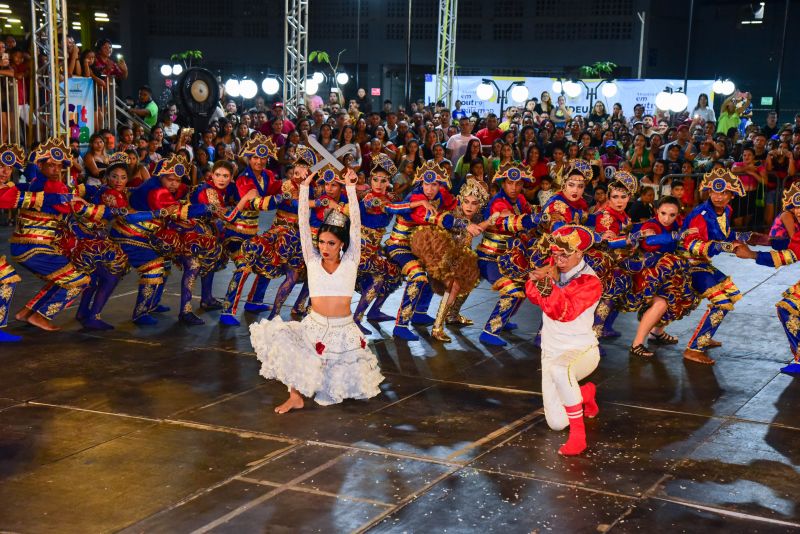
[446,51]
[49,31]
[295,55]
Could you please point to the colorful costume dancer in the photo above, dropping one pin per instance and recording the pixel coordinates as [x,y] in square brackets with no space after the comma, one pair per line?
[321,357]
[568,293]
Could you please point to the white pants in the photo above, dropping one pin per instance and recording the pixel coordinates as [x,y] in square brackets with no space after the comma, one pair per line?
[561,373]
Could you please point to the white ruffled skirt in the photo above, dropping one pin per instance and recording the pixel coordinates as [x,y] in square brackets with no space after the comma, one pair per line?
[322,357]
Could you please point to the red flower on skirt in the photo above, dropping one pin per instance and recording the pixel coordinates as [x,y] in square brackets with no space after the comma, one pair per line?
[363,343]
[320,347]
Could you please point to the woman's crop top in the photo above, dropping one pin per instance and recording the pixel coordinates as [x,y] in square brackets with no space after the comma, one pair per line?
[341,282]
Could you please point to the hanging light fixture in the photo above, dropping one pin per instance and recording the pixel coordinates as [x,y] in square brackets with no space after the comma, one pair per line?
[557,86]
[342,78]
[678,101]
[166,70]
[177,69]
[312,86]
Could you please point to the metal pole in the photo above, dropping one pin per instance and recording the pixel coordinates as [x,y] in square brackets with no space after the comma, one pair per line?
[780,60]
[408,61]
[688,46]
[358,43]
[641,15]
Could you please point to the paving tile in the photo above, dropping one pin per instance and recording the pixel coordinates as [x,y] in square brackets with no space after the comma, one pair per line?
[202,510]
[340,423]
[473,501]
[291,511]
[116,483]
[746,467]
[32,436]
[676,517]
[444,421]
[777,402]
[630,449]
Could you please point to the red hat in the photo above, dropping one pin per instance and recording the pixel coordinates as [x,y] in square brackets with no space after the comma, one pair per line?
[277,105]
[571,238]
[682,126]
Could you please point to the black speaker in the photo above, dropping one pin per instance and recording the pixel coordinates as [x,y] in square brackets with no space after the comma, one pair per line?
[196,95]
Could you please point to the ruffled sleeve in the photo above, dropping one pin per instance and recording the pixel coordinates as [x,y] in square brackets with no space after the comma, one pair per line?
[354,249]
[303,215]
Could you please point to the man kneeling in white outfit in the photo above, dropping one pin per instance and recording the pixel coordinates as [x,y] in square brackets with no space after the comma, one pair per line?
[568,291]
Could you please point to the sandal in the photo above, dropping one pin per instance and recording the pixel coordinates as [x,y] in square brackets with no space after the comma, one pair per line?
[663,339]
[641,351]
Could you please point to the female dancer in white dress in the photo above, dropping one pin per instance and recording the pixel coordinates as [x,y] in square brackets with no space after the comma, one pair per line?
[325,356]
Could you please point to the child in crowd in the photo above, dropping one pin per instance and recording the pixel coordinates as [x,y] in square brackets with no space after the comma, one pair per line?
[642,210]
[545,190]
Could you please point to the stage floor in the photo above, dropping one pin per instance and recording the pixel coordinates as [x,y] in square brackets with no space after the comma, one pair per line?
[171,429]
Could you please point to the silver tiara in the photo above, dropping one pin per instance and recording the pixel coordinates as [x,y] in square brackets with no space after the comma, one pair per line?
[336,218]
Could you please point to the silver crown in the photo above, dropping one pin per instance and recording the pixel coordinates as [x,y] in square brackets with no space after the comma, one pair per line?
[336,218]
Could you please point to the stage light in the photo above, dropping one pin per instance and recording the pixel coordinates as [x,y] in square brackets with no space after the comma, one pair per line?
[519,93]
[484,91]
[557,86]
[177,69]
[166,70]
[232,87]
[270,86]
[663,100]
[248,89]
[318,77]
[678,102]
[572,89]
[342,78]
[728,87]
[312,86]
[609,89]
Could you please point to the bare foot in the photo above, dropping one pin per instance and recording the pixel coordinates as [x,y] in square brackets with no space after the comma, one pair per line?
[23,314]
[45,324]
[294,402]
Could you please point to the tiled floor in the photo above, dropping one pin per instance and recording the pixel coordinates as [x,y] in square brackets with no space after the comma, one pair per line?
[171,429]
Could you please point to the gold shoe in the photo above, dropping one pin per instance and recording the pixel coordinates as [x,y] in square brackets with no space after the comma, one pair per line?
[440,335]
[460,320]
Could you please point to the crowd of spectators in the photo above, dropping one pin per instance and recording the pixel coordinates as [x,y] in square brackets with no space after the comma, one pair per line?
[667,153]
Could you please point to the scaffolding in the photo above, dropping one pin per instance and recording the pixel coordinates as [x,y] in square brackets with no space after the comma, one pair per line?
[295,55]
[49,94]
[446,51]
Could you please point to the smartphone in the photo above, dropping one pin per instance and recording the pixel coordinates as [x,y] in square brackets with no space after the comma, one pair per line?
[119,57]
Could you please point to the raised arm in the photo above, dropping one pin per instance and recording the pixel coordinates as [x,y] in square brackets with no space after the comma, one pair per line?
[354,250]
[303,215]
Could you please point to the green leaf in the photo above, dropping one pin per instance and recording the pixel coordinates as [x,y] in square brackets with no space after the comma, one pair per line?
[312,56]
[323,57]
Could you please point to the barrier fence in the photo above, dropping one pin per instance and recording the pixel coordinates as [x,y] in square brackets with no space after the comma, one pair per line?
[10,118]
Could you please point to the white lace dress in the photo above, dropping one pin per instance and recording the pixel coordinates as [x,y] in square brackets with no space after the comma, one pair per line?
[321,357]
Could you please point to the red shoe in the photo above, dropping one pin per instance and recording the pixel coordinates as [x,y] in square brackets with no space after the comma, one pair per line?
[576,443]
[590,408]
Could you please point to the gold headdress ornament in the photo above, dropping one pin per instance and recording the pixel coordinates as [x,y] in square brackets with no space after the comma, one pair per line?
[571,238]
[55,149]
[336,218]
[583,166]
[119,158]
[176,165]
[721,180]
[384,163]
[328,174]
[474,188]
[791,197]
[12,155]
[305,156]
[259,146]
[431,172]
[513,172]
[627,180]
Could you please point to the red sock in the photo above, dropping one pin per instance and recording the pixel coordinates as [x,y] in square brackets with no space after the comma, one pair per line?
[576,443]
[590,408]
